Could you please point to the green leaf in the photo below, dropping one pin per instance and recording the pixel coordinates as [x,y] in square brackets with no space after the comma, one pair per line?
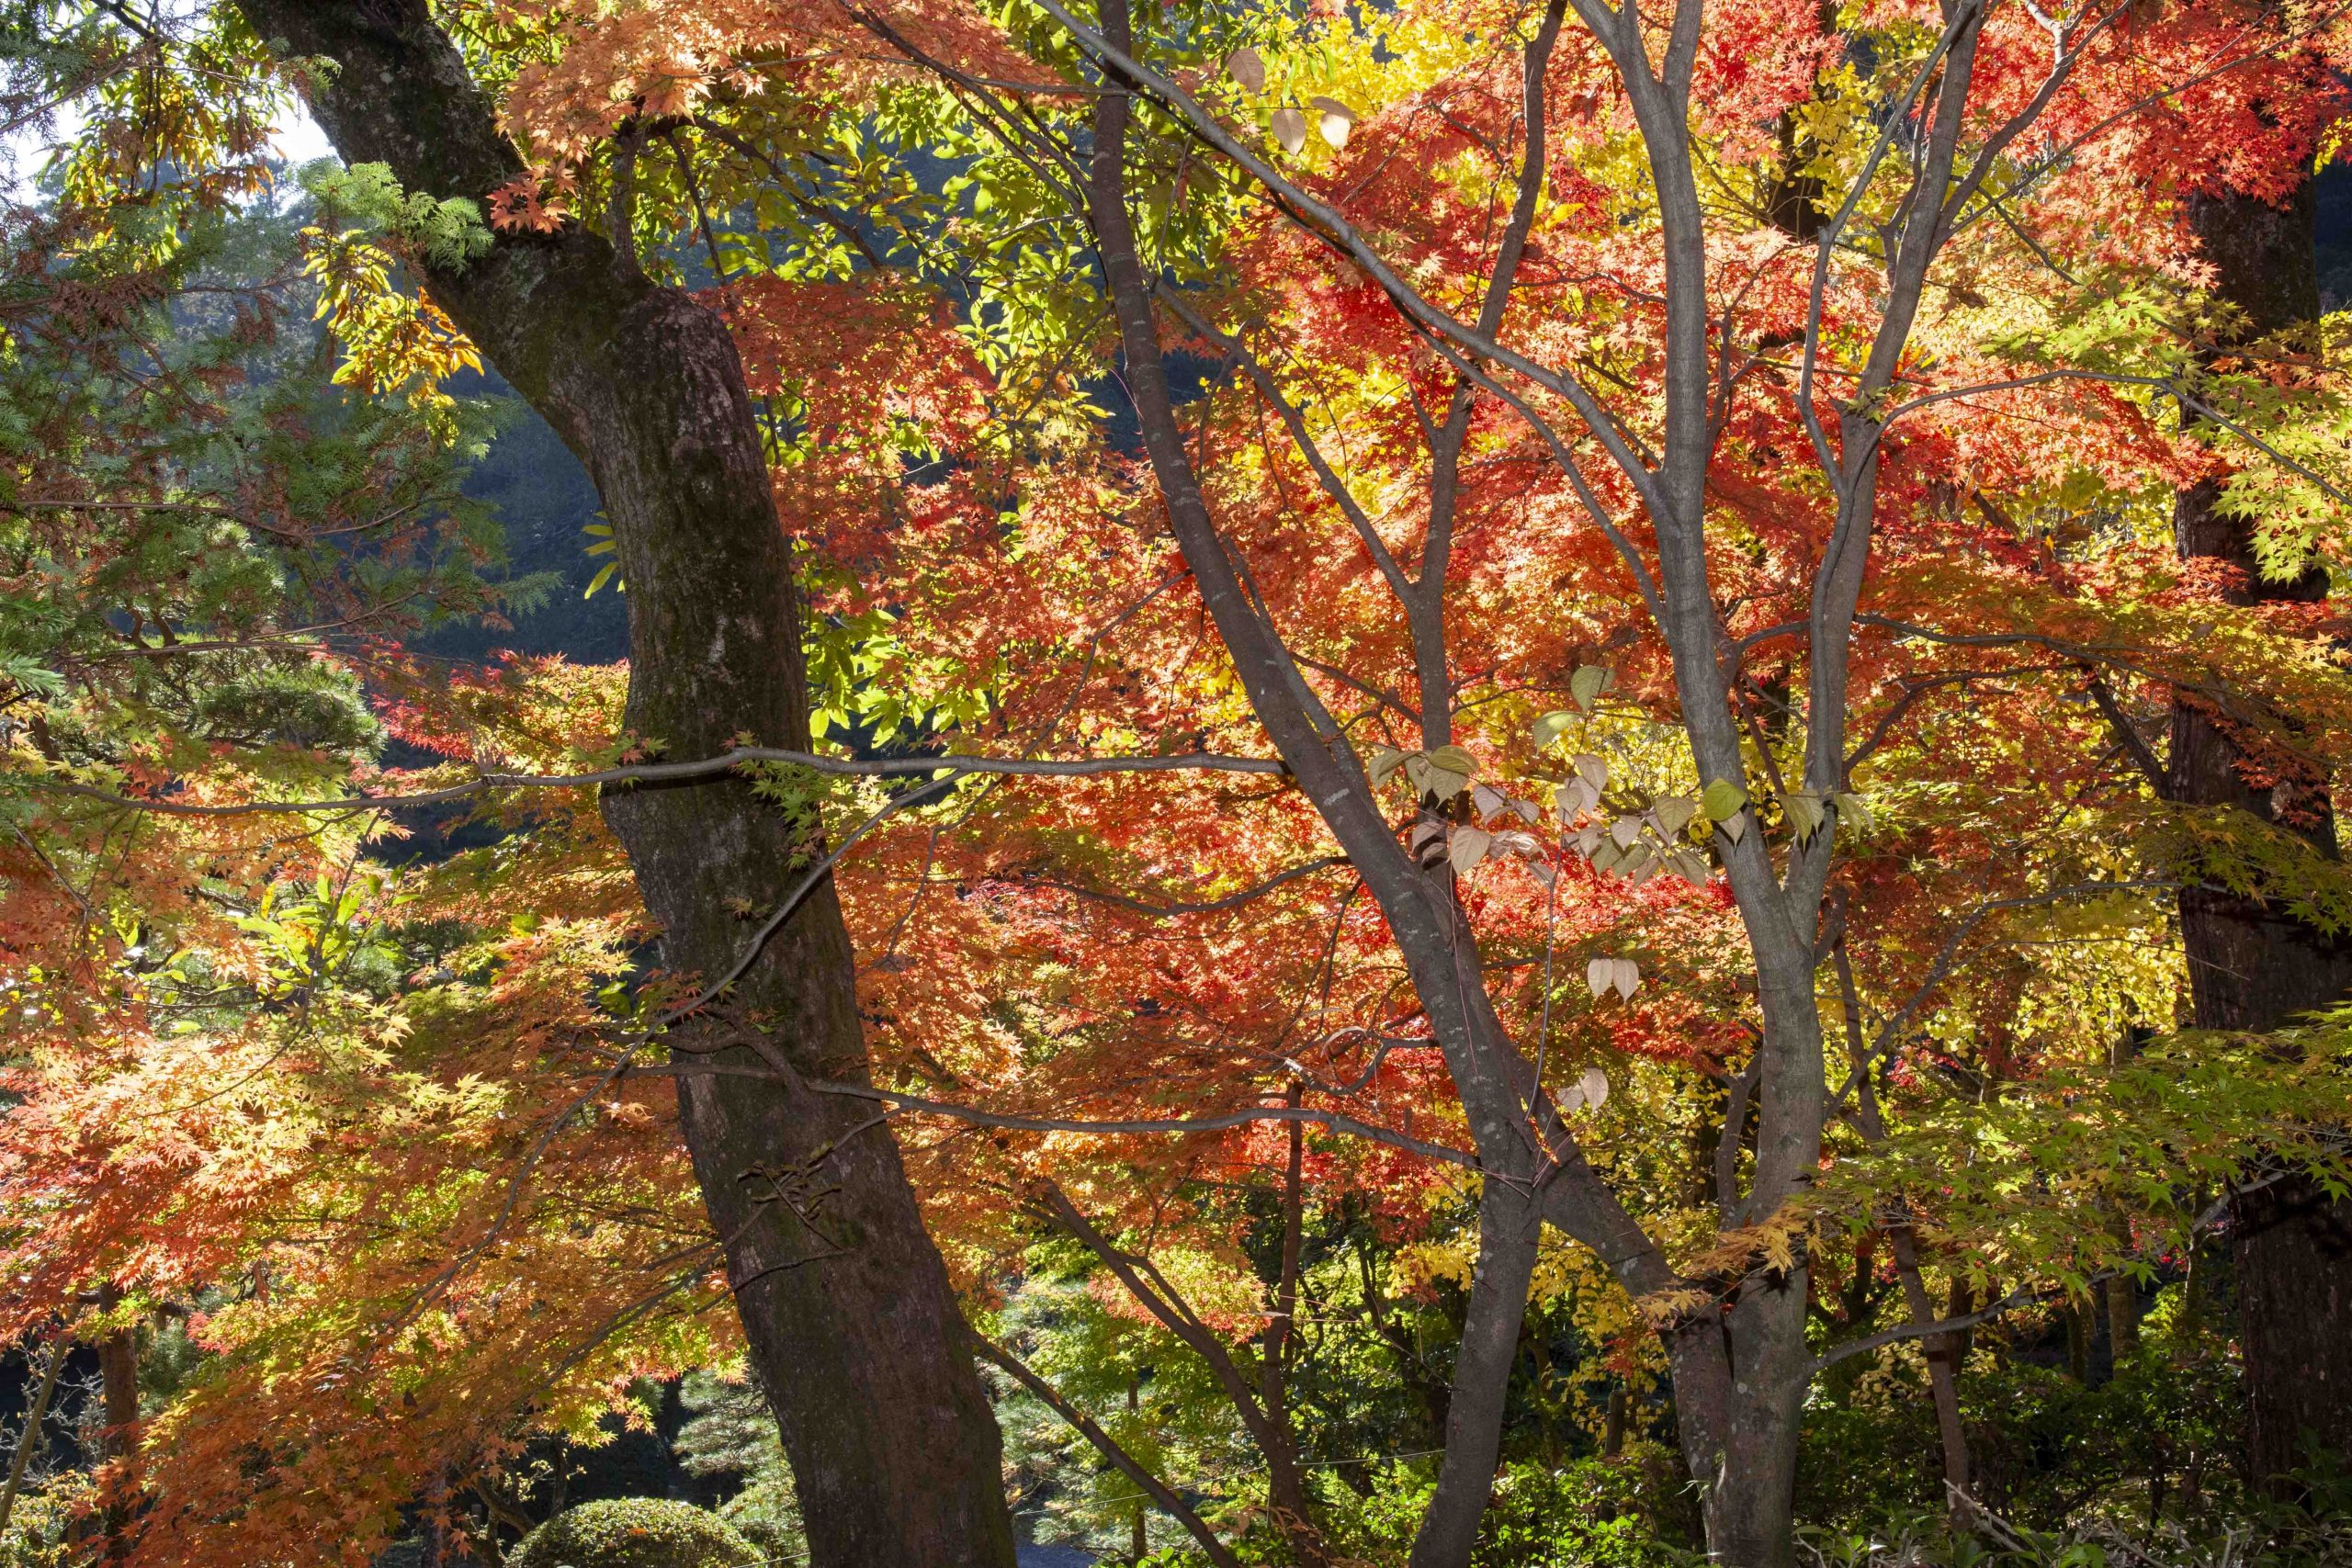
[1674,814]
[1723,800]
[1385,761]
[1428,777]
[1804,812]
[1454,759]
[1587,684]
[1550,728]
[1852,810]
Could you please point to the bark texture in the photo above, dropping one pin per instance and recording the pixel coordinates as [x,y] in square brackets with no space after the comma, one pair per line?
[2252,967]
[846,1304]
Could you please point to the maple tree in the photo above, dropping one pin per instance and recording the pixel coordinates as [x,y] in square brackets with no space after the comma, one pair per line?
[1679,505]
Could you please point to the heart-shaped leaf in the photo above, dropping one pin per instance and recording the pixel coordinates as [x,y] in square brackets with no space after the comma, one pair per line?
[1548,729]
[1674,814]
[1587,684]
[1592,1087]
[1598,974]
[1384,763]
[1289,127]
[1246,67]
[1625,977]
[1468,848]
[1334,119]
[1804,812]
[1722,801]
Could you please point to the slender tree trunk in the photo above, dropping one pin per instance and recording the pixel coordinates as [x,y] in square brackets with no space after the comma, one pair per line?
[118,1385]
[2078,1344]
[1273,1381]
[1508,1224]
[1943,1353]
[29,1436]
[433,1539]
[1138,1542]
[2252,967]
[846,1305]
[118,1437]
[1217,1553]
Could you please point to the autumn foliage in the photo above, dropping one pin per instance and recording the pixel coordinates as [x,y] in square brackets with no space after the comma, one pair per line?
[370,1096]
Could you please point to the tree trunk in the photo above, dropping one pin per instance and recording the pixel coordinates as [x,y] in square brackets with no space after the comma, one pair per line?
[119,1384]
[1945,1357]
[846,1305]
[1740,1376]
[2252,967]
[1508,1228]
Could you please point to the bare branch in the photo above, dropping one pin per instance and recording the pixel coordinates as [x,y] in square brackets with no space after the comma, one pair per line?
[1329,1120]
[1213,906]
[677,772]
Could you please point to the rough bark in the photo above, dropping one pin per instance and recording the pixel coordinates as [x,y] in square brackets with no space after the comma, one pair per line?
[846,1305]
[2253,967]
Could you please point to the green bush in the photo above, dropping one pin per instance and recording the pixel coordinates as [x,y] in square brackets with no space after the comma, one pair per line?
[1634,1511]
[634,1532]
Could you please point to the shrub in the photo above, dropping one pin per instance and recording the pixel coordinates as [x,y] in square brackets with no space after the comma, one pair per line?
[1634,1511]
[634,1532]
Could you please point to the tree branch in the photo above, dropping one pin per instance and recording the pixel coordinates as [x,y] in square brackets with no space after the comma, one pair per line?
[677,772]
[1087,1428]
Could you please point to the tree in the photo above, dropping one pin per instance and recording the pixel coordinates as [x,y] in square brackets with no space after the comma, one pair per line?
[847,1308]
[1610,941]
[1977,88]
[1967,93]
[2252,967]
[856,1332]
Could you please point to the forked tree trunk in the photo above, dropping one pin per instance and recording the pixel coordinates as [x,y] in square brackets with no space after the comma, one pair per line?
[846,1305]
[2255,968]
[1739,1384]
